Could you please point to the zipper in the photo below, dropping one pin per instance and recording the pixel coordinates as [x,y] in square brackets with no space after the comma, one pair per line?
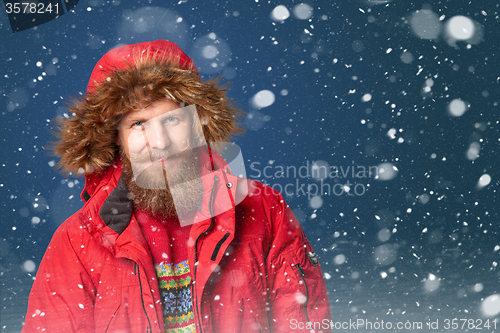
[142,300]
[195,285]
[302,276]
[218,246]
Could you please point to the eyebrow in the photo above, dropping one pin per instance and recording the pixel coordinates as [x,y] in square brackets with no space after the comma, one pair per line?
[135,120]
[177,112]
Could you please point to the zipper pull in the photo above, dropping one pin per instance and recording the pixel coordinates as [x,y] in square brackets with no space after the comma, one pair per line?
[313,258]
[301,270]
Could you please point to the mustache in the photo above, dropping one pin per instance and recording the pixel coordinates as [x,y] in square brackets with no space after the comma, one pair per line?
[153,154]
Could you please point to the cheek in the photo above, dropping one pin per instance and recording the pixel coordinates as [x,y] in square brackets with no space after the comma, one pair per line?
[136,142]
[182,136]
[196,134]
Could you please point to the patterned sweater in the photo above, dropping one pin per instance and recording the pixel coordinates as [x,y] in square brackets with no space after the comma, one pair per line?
[167,241]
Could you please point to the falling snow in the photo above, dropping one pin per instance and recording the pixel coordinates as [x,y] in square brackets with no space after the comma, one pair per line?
[390,107]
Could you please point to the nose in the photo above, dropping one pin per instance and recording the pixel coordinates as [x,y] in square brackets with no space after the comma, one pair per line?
[157,135]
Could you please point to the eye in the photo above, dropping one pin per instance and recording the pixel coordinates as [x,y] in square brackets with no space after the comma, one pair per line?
[138,124]
[171,120]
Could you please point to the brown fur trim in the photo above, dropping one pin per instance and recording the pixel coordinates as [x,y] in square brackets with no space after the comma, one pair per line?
[87,140]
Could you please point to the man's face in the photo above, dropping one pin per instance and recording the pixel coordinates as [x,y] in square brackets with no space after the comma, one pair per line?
[157,139]
[159,158]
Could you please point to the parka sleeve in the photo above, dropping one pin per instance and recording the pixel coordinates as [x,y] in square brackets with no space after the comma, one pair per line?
[62,296]
[298,297]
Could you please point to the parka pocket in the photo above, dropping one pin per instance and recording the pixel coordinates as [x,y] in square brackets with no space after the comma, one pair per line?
[302,280]
[106,307]
[308,276]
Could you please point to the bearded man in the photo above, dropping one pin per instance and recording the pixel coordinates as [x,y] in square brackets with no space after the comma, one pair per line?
[169,239]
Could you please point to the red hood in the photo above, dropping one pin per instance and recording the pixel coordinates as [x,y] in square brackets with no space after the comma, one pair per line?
[126,55]
[124,78]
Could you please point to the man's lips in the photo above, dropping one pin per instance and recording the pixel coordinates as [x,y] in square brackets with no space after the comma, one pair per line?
[165,160]
[146,159]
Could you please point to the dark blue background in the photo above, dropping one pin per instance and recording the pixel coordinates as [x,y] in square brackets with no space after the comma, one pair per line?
[326,70]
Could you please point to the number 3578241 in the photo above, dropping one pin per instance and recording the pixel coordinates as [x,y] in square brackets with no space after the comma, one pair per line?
[31,8]
[473,324]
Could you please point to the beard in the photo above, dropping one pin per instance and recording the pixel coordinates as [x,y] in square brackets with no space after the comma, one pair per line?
[164,191]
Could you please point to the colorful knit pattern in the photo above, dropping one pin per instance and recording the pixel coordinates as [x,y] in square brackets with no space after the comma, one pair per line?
[187,329]
[175,289]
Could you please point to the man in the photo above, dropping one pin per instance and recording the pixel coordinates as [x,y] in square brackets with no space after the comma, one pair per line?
[169,240]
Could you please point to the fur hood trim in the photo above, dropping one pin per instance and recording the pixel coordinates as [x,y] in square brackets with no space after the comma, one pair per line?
[127,79]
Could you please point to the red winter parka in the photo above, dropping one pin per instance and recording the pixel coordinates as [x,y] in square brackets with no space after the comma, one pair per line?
[253,268]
